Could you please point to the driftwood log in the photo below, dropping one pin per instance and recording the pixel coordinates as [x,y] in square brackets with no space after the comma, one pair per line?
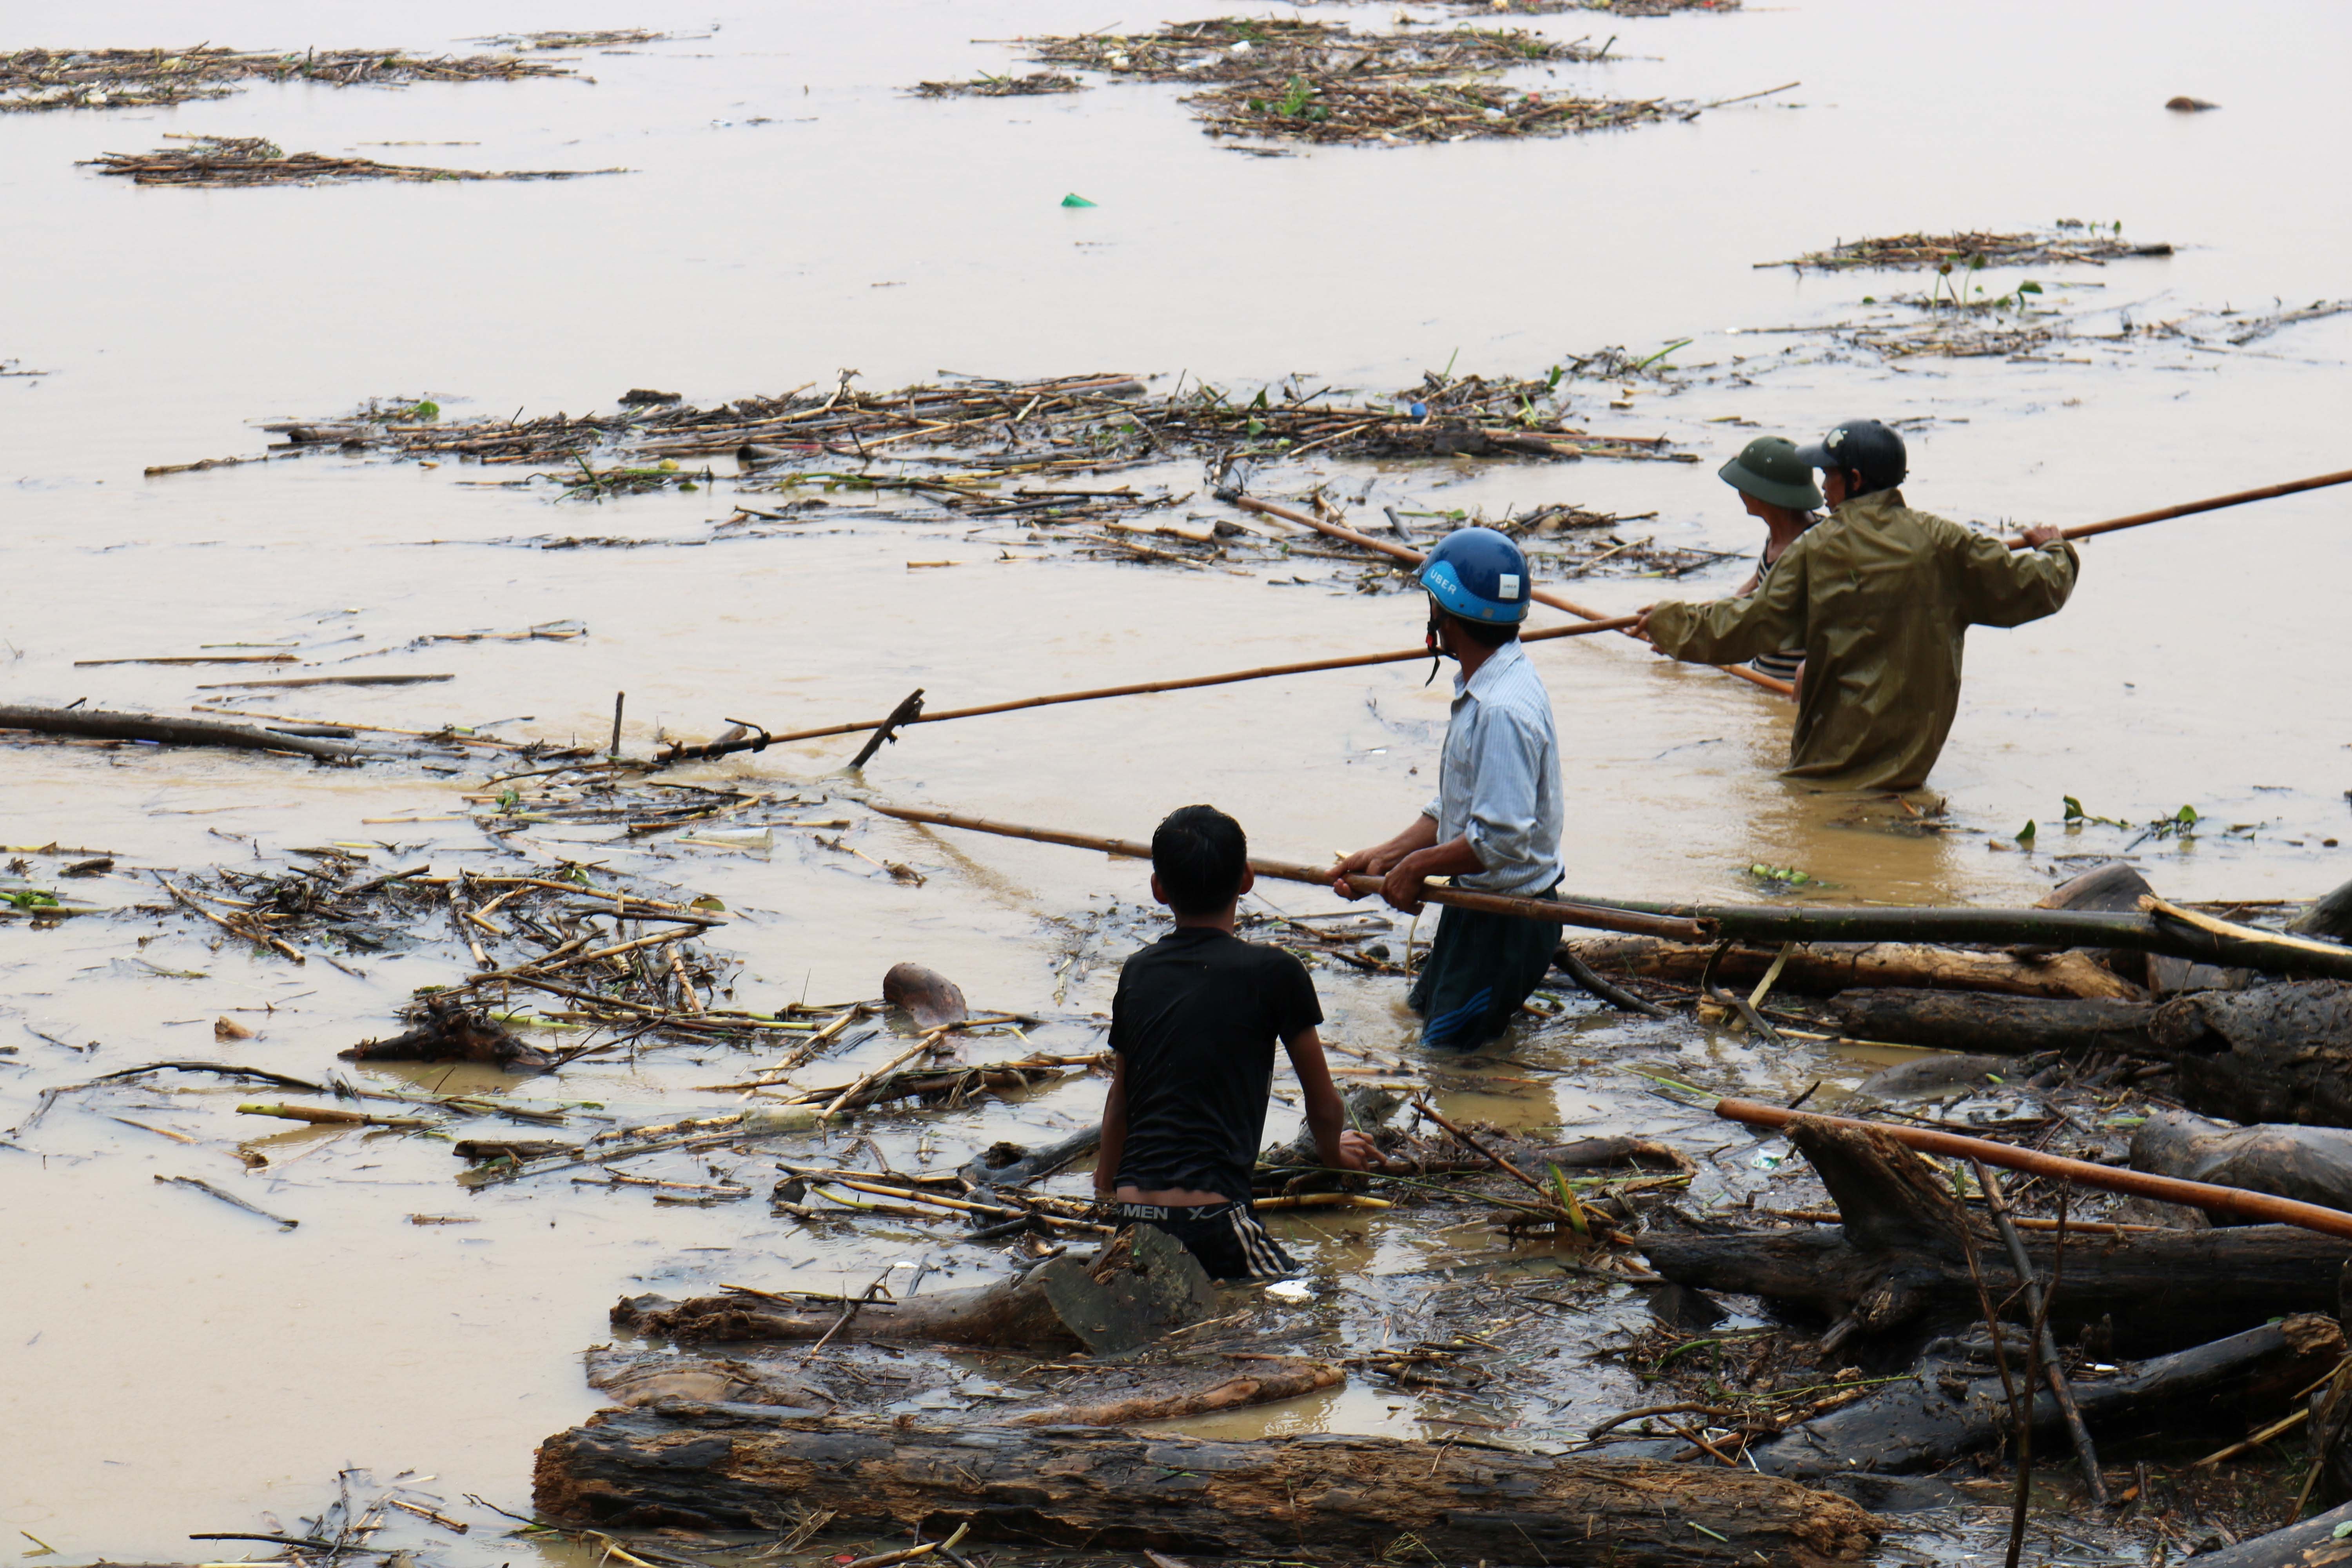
[1016,1164]
[2310,1164]
[1897,1268]
[2314,1543]
[96,723]
[1141,1285]
[1824,968]
[2233,1383]
[720,1468]
[2274,1053]
[1991,1023]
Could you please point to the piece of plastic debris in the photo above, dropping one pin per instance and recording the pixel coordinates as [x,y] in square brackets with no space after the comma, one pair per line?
[1075,200]
[1294,1291]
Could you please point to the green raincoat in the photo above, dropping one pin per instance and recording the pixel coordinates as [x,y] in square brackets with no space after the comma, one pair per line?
[1880,597]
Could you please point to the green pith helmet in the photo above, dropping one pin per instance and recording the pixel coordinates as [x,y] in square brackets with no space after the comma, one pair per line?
[1769,469]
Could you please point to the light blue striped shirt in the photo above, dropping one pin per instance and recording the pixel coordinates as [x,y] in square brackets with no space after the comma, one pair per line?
[1498,782]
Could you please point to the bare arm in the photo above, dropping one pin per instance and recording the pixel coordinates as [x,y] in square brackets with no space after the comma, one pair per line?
[1339,1146]
[1114,1128]
[1382,858]
[1404,888]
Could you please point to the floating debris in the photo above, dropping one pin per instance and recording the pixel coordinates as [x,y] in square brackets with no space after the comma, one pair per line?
[1614,7]
[1985,249]
[1412,111]
[1071,423]
[140,78]
[1036,85]
[1322,81]
[216,161]
[564,40]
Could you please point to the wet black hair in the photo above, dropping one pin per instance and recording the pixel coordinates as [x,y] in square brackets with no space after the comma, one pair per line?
[1200,855]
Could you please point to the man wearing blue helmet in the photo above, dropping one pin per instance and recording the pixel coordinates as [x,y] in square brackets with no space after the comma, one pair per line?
[1495,825]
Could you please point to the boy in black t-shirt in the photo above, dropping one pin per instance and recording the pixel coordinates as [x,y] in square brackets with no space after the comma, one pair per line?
[1192,1028]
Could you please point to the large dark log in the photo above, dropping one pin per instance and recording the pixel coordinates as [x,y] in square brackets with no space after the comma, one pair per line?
[2009,1025]
[2330,916]
[1016,1164]
[1141,1285]
[2310,1164]
[720,1468]
[100,724]
[2314,1543]
[1900,1261]
[1824,968]
[2274,1053]
[2230,1384]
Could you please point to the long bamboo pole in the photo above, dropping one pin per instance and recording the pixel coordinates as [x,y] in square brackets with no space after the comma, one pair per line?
[1414,557]
[1133,689]
[2189,509]
[1547,910]
[2260,1207]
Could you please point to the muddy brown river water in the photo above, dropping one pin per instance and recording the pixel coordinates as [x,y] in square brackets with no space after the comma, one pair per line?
[168,1364]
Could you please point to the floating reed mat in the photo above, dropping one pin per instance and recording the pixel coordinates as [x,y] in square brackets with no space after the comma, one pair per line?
[1903,250]
[138,78]
[1039,84]
[255,160]
[1613,7]
[1322,81]
[1058,425]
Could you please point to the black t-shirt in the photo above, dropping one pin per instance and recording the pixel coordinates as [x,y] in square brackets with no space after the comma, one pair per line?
[1195,1022]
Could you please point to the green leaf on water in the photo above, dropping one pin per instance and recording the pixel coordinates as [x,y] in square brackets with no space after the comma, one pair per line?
[2025,833]
[2075,812]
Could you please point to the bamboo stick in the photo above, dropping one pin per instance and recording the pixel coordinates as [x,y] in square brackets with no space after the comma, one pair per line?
[1545,910]
[1136,688]
[2260,1207]
[2189,509]
[1541,595]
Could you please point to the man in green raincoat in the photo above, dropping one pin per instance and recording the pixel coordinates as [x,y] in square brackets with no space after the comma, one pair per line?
[1880,598]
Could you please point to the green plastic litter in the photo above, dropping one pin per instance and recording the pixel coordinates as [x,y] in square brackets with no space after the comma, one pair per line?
[1075,200]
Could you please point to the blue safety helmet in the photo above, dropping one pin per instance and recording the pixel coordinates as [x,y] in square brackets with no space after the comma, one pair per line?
[1478,575]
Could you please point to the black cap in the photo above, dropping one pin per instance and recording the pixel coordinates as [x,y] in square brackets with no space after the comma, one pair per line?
[1864,447]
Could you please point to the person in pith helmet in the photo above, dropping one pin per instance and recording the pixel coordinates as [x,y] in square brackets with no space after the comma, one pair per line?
[1777,487]
[1881,598]
[1495,825]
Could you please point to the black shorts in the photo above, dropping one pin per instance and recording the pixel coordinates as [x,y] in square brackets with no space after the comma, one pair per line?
[1227,1239]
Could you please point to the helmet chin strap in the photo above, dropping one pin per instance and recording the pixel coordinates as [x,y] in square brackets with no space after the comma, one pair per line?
[1436,652]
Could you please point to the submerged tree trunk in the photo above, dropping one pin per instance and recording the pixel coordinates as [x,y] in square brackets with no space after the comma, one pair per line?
[2274,1053]
[717,1467]
[2232,1384]
[2005,1025]
[2310,1164]
[100,724]
[1142,1284]
[1822,968]
[2314,1543]
[1900,1260]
